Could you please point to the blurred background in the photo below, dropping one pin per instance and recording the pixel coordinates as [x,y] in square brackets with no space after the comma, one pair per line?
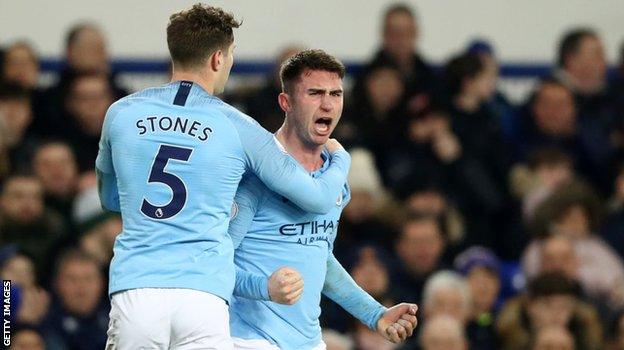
[487,140]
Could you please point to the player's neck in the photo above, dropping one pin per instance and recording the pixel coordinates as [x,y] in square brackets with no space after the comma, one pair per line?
[308,156]
[205,82]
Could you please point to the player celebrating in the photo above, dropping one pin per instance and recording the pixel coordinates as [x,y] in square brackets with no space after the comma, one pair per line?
[268,231]
[170,161]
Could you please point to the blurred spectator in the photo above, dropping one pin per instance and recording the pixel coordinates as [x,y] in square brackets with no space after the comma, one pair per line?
[17,267]
[261,104]
[557,255]
[371,273]
[20,65]
[398,49]
[397,82]
[55,166]
[24,220]
[573,211]
[373,118]
[336,341]
[429,199]
[86,101]
[553,338]
[86,51]
[368,267]
[26,338]
[498,104]
[548,170]
[480,174]
[98,228]
[32,301]
[481,268]
[582,63]
[470,81]
[15,118]
[361,221]
[420,249]
[86,54]
[447,293]
[550,301]
[583,68]
[78,318]
[443,333]
[426,154]
[612,230]
[550,119]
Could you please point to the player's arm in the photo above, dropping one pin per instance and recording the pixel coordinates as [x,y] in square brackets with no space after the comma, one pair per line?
[104,170]
[341,288]
[107,189]
[246,203]
[284,175]
[395,324]
[285,285]
[244,209]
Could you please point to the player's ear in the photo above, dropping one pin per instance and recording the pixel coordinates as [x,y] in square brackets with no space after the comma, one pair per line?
[284,101]
[216,60]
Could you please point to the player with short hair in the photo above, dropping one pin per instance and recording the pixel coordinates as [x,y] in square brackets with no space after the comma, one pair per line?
[269,231]
[170,160]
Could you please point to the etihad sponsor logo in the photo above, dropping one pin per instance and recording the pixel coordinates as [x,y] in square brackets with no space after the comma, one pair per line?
[309,228]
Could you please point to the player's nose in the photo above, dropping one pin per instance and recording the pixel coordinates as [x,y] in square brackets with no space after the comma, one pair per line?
[326,104]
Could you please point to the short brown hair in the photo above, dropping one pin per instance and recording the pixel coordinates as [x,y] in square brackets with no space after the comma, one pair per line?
[308,60]
[195,34]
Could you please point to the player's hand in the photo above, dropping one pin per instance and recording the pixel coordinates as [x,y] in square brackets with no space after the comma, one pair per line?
[333,145]
[285,286]
[398,322]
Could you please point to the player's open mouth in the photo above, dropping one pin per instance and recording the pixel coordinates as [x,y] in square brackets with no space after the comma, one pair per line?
[323,125]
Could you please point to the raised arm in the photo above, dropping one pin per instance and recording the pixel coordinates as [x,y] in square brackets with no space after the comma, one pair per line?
[284,175]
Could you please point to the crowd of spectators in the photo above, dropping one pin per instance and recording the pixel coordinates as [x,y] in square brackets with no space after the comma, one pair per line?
[504,222]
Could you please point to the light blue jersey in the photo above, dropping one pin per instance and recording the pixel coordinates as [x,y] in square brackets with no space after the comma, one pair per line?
[170,161]
[268,233]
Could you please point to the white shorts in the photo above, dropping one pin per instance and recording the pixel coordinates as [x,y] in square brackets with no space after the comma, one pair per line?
[263,344]
[168,318]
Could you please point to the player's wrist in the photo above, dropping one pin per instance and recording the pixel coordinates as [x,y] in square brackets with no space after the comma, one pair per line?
[379,323]
[264,288]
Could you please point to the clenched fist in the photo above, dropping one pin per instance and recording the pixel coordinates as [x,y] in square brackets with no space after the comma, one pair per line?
[398,322]
[285,286]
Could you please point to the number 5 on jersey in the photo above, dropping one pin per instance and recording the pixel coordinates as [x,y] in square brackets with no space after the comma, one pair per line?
[158,174]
